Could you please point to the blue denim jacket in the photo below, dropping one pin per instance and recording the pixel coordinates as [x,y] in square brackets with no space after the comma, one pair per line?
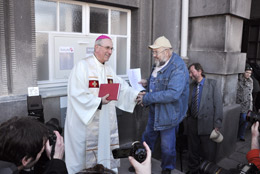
[170,98]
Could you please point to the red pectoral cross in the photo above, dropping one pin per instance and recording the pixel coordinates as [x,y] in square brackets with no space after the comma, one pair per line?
[110,81]
[93,84]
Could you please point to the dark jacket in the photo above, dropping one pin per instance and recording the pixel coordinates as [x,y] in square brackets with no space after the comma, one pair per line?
[54,166]
[8,168]
[211,107]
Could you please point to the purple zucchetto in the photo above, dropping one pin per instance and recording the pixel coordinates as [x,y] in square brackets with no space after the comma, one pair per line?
[103,37]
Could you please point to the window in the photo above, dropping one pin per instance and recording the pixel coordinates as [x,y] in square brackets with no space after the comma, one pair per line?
[45,15]
[251,40]
[98,20]
[70,18]
[66,31]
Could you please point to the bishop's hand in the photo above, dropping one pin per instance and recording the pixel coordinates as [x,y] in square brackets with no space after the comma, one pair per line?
[139,98]
[104,99]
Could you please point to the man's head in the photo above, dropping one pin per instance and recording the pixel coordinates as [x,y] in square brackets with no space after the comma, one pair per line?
[103,48]
[196,72]
[248,72]
[22,141]
[161,50]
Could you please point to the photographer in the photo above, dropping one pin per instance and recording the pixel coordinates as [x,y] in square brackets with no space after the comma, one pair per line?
[144,167]
[253,155]
[22,142]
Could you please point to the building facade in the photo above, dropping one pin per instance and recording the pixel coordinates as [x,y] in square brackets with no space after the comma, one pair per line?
[41,40]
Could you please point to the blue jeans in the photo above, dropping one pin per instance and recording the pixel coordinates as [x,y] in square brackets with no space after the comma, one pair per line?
[242,126]
[168,143]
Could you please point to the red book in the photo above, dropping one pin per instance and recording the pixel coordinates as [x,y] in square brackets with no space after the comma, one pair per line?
[112,89]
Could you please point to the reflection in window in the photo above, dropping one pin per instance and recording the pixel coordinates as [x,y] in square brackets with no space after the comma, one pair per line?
[258,51]
[98,20]
[121,56]
[70,17]
[45,15]
[118,22]
[251,52]
[42,56]
[254,31]
[54,17]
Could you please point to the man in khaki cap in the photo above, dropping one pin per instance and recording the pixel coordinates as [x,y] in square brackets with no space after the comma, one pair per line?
[167,91]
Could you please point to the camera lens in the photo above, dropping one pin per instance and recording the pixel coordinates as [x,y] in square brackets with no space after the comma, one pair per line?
[253,117]
[207,167]
[138,152]
[140,155]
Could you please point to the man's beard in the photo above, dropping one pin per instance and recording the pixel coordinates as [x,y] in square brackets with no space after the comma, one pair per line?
[194,79]
[158,63]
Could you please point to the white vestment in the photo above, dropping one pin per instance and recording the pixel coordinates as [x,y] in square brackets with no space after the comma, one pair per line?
[90,133]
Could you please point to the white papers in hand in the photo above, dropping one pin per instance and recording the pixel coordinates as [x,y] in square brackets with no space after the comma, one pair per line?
[134,76]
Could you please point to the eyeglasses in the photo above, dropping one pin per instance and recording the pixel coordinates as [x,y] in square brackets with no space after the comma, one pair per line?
[107,48]
[155,53]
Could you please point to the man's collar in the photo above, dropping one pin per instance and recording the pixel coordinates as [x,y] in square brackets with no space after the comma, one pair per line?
[201,82]
[167,63]
[97,61]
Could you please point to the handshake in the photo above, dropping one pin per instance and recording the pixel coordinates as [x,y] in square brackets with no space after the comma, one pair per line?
[139,98]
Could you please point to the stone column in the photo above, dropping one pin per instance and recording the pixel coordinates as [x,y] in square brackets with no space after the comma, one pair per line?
[215,36]
[17,56]
[3,70]
[19,43]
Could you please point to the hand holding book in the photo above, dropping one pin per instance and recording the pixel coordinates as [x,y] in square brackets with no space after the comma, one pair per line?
[104,99]
[112,89]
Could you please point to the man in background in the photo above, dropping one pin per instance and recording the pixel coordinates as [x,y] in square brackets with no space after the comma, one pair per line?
[204,115]
[245,99]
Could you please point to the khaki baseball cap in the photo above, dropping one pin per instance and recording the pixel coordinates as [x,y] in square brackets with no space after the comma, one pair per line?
[161,42]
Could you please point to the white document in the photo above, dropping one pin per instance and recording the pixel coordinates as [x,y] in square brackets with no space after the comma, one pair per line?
[134,76]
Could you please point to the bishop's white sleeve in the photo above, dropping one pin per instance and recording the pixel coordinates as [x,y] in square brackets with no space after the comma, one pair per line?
[81,103]
[127,96]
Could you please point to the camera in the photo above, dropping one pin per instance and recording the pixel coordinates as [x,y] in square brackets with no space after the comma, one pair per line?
[53,125]
[207,167]
[252,117]
[136,150]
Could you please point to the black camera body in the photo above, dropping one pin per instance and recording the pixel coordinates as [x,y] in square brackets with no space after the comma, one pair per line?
[252,117]
[136,150]
[52,138]
[53,125]
[247,168]
[207,167]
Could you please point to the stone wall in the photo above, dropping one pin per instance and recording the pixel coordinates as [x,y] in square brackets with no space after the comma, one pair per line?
[215,32]
[18,65]
[215,36]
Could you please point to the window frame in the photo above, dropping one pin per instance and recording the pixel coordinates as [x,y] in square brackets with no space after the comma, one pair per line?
[53,84]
